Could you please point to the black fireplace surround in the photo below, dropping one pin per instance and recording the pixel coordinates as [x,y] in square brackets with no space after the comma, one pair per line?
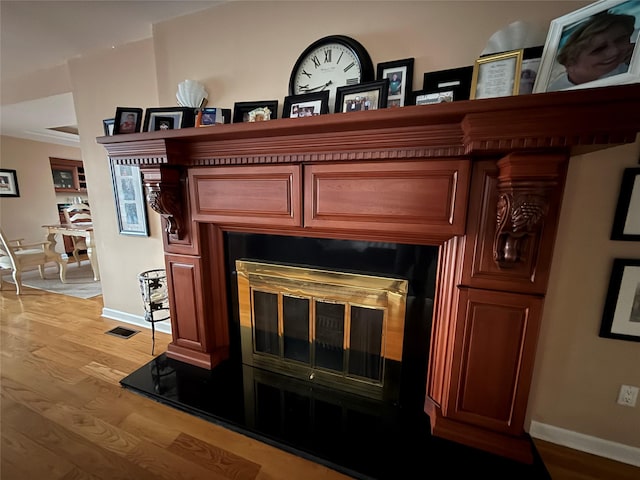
[357,436]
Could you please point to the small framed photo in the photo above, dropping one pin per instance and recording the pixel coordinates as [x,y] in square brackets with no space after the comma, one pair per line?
[593,46]
[363,96]
[621,316]
[130,200]
[9,183]
[400,75]
[169,118]
[626,222]
[531,58]
[497,75]
[454,83]
[306,105]
[424,97]
[210,116]
[127,120]
[107,125]
[255,111]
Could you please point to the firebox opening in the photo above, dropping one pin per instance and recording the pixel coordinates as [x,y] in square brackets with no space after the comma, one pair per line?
[405,377]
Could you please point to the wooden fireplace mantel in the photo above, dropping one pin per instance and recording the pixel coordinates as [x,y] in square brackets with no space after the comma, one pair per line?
[481,179]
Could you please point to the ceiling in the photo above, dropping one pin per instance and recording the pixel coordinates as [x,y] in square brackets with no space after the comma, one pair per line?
[36,35]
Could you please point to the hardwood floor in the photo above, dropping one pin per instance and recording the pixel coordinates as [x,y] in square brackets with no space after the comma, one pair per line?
[65,416]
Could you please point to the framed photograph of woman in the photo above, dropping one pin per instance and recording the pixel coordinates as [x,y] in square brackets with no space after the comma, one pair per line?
[400,75]
[592,47]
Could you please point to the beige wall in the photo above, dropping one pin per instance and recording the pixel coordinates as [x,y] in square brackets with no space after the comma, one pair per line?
[245,51]
[23,216]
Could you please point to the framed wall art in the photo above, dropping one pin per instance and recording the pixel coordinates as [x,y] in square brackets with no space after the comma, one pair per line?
[9,183]
[621,316]
[363,96]
[497,75]
[306,105]
[169,118]
[255,111]
[592,47]
[626,221]
[400,75]
[130,201]
[127,120]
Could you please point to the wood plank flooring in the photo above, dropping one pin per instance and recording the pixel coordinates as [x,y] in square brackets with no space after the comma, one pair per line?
[65,416]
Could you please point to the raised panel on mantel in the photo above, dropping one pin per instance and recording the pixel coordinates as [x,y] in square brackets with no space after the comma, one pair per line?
[419,198]
[496,336]
[255,195]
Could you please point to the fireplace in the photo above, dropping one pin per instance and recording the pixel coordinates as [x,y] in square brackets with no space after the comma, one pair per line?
[479,181]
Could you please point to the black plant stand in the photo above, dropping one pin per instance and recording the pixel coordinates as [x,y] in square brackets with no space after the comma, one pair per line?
[153,286]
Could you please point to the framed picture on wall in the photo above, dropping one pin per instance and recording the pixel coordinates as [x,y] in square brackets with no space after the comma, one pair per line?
[8,183]
[621,317]
[626,221]
[131,208]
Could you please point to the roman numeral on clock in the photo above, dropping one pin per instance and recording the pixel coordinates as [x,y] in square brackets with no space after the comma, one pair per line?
[353,81]
[327,56]
[316,62]
[349,66]
[304,72]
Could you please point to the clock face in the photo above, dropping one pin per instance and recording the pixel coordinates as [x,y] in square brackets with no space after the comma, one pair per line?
[329,63]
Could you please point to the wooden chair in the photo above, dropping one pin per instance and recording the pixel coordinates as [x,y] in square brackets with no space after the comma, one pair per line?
[78,213]
[19,257]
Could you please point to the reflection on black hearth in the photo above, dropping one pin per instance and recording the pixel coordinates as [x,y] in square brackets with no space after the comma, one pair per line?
[355,435]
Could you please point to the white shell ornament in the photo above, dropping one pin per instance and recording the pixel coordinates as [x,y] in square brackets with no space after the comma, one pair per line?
[191,94]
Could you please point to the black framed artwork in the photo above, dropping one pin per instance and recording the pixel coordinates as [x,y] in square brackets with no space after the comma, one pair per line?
[621,315]
[450,85]
[363,96]
[626,221]
[131,207]
[400,75]
[261,111]
[9,183]
[306,105]
[169,118]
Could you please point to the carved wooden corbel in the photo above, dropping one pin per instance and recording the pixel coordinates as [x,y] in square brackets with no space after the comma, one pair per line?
[165,193]
[525,185]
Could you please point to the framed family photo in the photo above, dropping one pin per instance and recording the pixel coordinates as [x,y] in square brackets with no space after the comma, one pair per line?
[594,46]
[130,201]
[400,75]
[363,96]
[626,222]
[127,120]
[621,316]
[9,183]
[306,105]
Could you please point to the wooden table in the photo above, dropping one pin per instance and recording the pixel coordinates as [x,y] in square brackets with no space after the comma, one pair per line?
[76,230]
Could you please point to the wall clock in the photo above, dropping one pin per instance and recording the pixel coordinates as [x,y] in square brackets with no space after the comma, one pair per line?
[329,63]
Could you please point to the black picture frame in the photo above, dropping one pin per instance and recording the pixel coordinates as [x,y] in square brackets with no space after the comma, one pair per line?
[172,118]
[376,91]
[621,313]
[9,183]
[306,105]
[241,110]
[400,75]
[626,221]
[531,59]
[454,83]
[127,120]
[108,125]
[131,207]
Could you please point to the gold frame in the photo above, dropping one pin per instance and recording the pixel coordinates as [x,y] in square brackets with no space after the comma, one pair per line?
[499,90]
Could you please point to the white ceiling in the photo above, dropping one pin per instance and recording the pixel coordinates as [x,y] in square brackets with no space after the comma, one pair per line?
[36,35]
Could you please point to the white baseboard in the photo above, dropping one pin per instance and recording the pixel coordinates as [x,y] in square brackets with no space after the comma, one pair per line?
[138,320]
[585,443]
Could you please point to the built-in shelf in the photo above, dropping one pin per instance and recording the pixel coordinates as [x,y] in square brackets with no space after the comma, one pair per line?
[68,175]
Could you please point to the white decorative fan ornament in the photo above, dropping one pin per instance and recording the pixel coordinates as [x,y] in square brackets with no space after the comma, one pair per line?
[514,36]
[191,94]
